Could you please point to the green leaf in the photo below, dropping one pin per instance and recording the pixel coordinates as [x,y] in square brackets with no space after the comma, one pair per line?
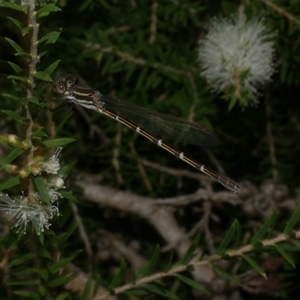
[150,265]
[69,196]
[69,232]
[141,78]
[190,254]
[58,142]
[14,246]
[139,292]
[43,76]
[66,169]
[230,234]
[35,100]
[14,45]
[9,183]
[18,78]
[10,157]
[228,7]
[254,265]
[14,116]
[13,97]
[20,260]
[97,281]
[160,291]
[168,263]
[263,230]
[24,54]
[62,296]
[60,281]
[27,294]
[46,10]
[50,38]
[13,6]
[87,290]
[25,30]
[119,277]
[52,67]
[286,256]
[232,103]
[225,274]
[129,73]
[23,282]
[40,235]
[44,273]
[192,283]
[15,21]
[60,264]
[3,141]
[290,248]
[43,53]
[41,186]
[43,252]
[16,68]
[27,271]
[62,121]
[294,220]
[237,237]
[42,290]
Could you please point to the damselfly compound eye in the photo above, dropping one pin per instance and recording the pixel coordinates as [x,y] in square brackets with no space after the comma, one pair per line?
[70,80]
[60,87]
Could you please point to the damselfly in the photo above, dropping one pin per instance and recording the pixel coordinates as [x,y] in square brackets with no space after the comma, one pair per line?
[148,124]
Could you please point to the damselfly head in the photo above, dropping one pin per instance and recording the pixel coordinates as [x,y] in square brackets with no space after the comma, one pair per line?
[65,84]
[70,80]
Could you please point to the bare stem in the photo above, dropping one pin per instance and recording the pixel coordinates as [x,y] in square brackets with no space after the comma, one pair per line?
[281,11]
[32,70]
[207,261]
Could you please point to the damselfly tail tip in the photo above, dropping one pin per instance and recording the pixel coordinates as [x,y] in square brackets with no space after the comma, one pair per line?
[238,189]
[231,185]
[235,187]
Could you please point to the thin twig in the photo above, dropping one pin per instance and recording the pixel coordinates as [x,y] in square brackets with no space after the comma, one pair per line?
[31,83]
[281,11]
[116,154]
[270,139]
[207,261]
[83,234]
[142,170]
[153,22]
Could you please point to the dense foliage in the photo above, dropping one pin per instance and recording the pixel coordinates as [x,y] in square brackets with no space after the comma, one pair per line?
[119,196]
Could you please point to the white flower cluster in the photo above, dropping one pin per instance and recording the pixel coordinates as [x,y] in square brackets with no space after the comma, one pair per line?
[32,209]
[52,165]
[237,53]
[26,210]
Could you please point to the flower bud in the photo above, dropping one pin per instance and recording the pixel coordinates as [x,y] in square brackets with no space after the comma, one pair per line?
[35,169]
[25,172]
[25,145]
[13,140]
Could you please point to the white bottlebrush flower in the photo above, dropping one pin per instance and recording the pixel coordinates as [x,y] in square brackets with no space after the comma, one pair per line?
[28,210]
[53,185]
[44,213]
[237,54]
[51,166]
[53,194]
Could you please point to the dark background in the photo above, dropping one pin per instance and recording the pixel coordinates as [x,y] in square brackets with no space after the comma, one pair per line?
[107,45]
